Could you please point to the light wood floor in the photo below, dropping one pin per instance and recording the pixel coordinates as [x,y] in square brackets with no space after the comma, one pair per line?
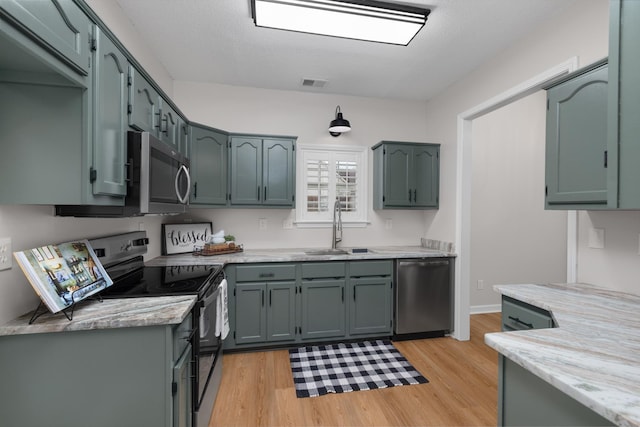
[257,389]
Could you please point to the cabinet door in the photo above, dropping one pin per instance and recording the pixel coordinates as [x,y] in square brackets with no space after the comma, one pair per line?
[208,166]
[60,25]
[370,305]
[246,171]
[426,174]
[168,125]
[251,315]
[278,173]
[323,309]
[182,397]
[143,103]
[281,319]
[397,180]
[576,156]
[110,118]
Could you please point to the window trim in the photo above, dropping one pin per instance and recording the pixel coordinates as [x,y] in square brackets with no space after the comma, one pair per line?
[348,221]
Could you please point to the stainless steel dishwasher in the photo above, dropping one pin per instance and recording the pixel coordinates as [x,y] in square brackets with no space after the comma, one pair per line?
[423,298]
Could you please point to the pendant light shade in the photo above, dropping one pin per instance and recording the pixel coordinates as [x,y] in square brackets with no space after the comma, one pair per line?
[339,125]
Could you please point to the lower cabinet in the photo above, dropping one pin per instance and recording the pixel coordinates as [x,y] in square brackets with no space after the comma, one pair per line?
[128,377]
[523,398]
[272,304]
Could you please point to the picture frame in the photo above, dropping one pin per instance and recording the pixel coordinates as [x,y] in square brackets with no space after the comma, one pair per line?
[185,237]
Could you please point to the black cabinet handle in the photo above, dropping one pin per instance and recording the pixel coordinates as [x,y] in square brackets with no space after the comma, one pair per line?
[270,290]
[342,294]
[409,195]
[258,192]
[262,294]
[354,294]
[517,320]
[195,190]
[265,192]
[266,275]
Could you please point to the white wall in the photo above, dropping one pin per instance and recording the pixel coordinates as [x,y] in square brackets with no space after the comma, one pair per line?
[307,116]
[513,239]
[581,31]
[617,265]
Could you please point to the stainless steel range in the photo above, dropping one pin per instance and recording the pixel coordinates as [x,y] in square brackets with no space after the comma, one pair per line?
[122,257]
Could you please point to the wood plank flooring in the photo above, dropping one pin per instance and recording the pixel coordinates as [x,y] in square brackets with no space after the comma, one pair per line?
[257,389]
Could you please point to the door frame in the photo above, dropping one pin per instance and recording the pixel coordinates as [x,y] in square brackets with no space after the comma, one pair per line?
[463,191]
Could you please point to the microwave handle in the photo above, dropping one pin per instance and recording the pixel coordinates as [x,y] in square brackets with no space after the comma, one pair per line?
[183,199]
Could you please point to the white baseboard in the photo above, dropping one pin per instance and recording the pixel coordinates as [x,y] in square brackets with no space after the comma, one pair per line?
[483,309]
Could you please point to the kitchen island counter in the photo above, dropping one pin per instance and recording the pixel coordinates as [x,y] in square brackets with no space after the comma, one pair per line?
[298,255]
[107,314]
[593,353]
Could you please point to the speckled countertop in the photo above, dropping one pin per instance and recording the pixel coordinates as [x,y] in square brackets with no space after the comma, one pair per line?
[108,314]
[298,255]
[594,353]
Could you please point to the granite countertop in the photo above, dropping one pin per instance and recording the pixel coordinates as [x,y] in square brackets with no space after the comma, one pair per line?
[594,353]
[108,314]
[298,255]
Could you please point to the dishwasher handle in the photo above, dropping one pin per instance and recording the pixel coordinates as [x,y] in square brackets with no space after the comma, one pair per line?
[423,263]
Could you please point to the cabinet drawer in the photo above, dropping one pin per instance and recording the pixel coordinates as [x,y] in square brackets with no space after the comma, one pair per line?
[181,334]
[320,270]
[517,315]
[370,268]
[263,272]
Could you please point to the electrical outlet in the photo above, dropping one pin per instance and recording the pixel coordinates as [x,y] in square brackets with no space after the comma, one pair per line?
[262,224]
[480,284]
[5,253]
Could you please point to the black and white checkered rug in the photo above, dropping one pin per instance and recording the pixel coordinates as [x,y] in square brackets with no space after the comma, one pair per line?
[340,368]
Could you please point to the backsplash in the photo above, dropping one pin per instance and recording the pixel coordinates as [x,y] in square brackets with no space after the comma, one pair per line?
[438,245]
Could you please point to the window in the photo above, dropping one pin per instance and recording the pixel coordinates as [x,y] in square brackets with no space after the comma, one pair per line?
[326,173]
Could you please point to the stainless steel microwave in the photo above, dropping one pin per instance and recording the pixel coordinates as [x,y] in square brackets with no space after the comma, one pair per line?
[158,182]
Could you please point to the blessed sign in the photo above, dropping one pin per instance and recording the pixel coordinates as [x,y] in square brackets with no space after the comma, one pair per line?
[184,238]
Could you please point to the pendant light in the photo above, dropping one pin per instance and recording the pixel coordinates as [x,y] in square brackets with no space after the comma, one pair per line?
[339,125]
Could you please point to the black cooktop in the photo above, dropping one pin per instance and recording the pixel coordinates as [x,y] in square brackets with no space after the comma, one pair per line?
[163,281]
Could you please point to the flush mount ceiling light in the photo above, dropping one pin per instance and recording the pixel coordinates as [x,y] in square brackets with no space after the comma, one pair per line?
[339,125]
[353,19]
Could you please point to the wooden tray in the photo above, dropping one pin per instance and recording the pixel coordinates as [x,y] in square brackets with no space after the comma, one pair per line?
[202,252]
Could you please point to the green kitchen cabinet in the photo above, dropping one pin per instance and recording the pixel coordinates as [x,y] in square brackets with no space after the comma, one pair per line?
[523,397]
[108,175]
[406,175]
[251,313]
[133,376]
[208,166]
[144,103]
[323,309]
[168,125]
[58,25]
[576,141]
[262,171]
[265,312]
[262,303]
[370,296]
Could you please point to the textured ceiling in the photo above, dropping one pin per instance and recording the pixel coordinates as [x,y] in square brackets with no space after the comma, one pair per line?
[216,41]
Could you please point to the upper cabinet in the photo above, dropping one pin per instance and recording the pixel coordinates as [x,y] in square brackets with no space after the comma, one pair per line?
[208,166]
[59,25]
[108,174]
[576,147]
[592,126]
[406,175]
[262,171]
[144,103]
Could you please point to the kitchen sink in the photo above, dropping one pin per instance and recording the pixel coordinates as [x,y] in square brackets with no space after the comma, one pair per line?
[327,252]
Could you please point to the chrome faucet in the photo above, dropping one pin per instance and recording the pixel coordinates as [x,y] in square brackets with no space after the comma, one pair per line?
[337,224]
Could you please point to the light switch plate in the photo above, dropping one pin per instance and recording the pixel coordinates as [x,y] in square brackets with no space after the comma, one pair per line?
[5,253]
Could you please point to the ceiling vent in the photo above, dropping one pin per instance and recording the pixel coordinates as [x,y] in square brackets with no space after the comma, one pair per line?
[314,82]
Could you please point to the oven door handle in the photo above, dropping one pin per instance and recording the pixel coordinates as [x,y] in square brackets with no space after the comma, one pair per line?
[211,298]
